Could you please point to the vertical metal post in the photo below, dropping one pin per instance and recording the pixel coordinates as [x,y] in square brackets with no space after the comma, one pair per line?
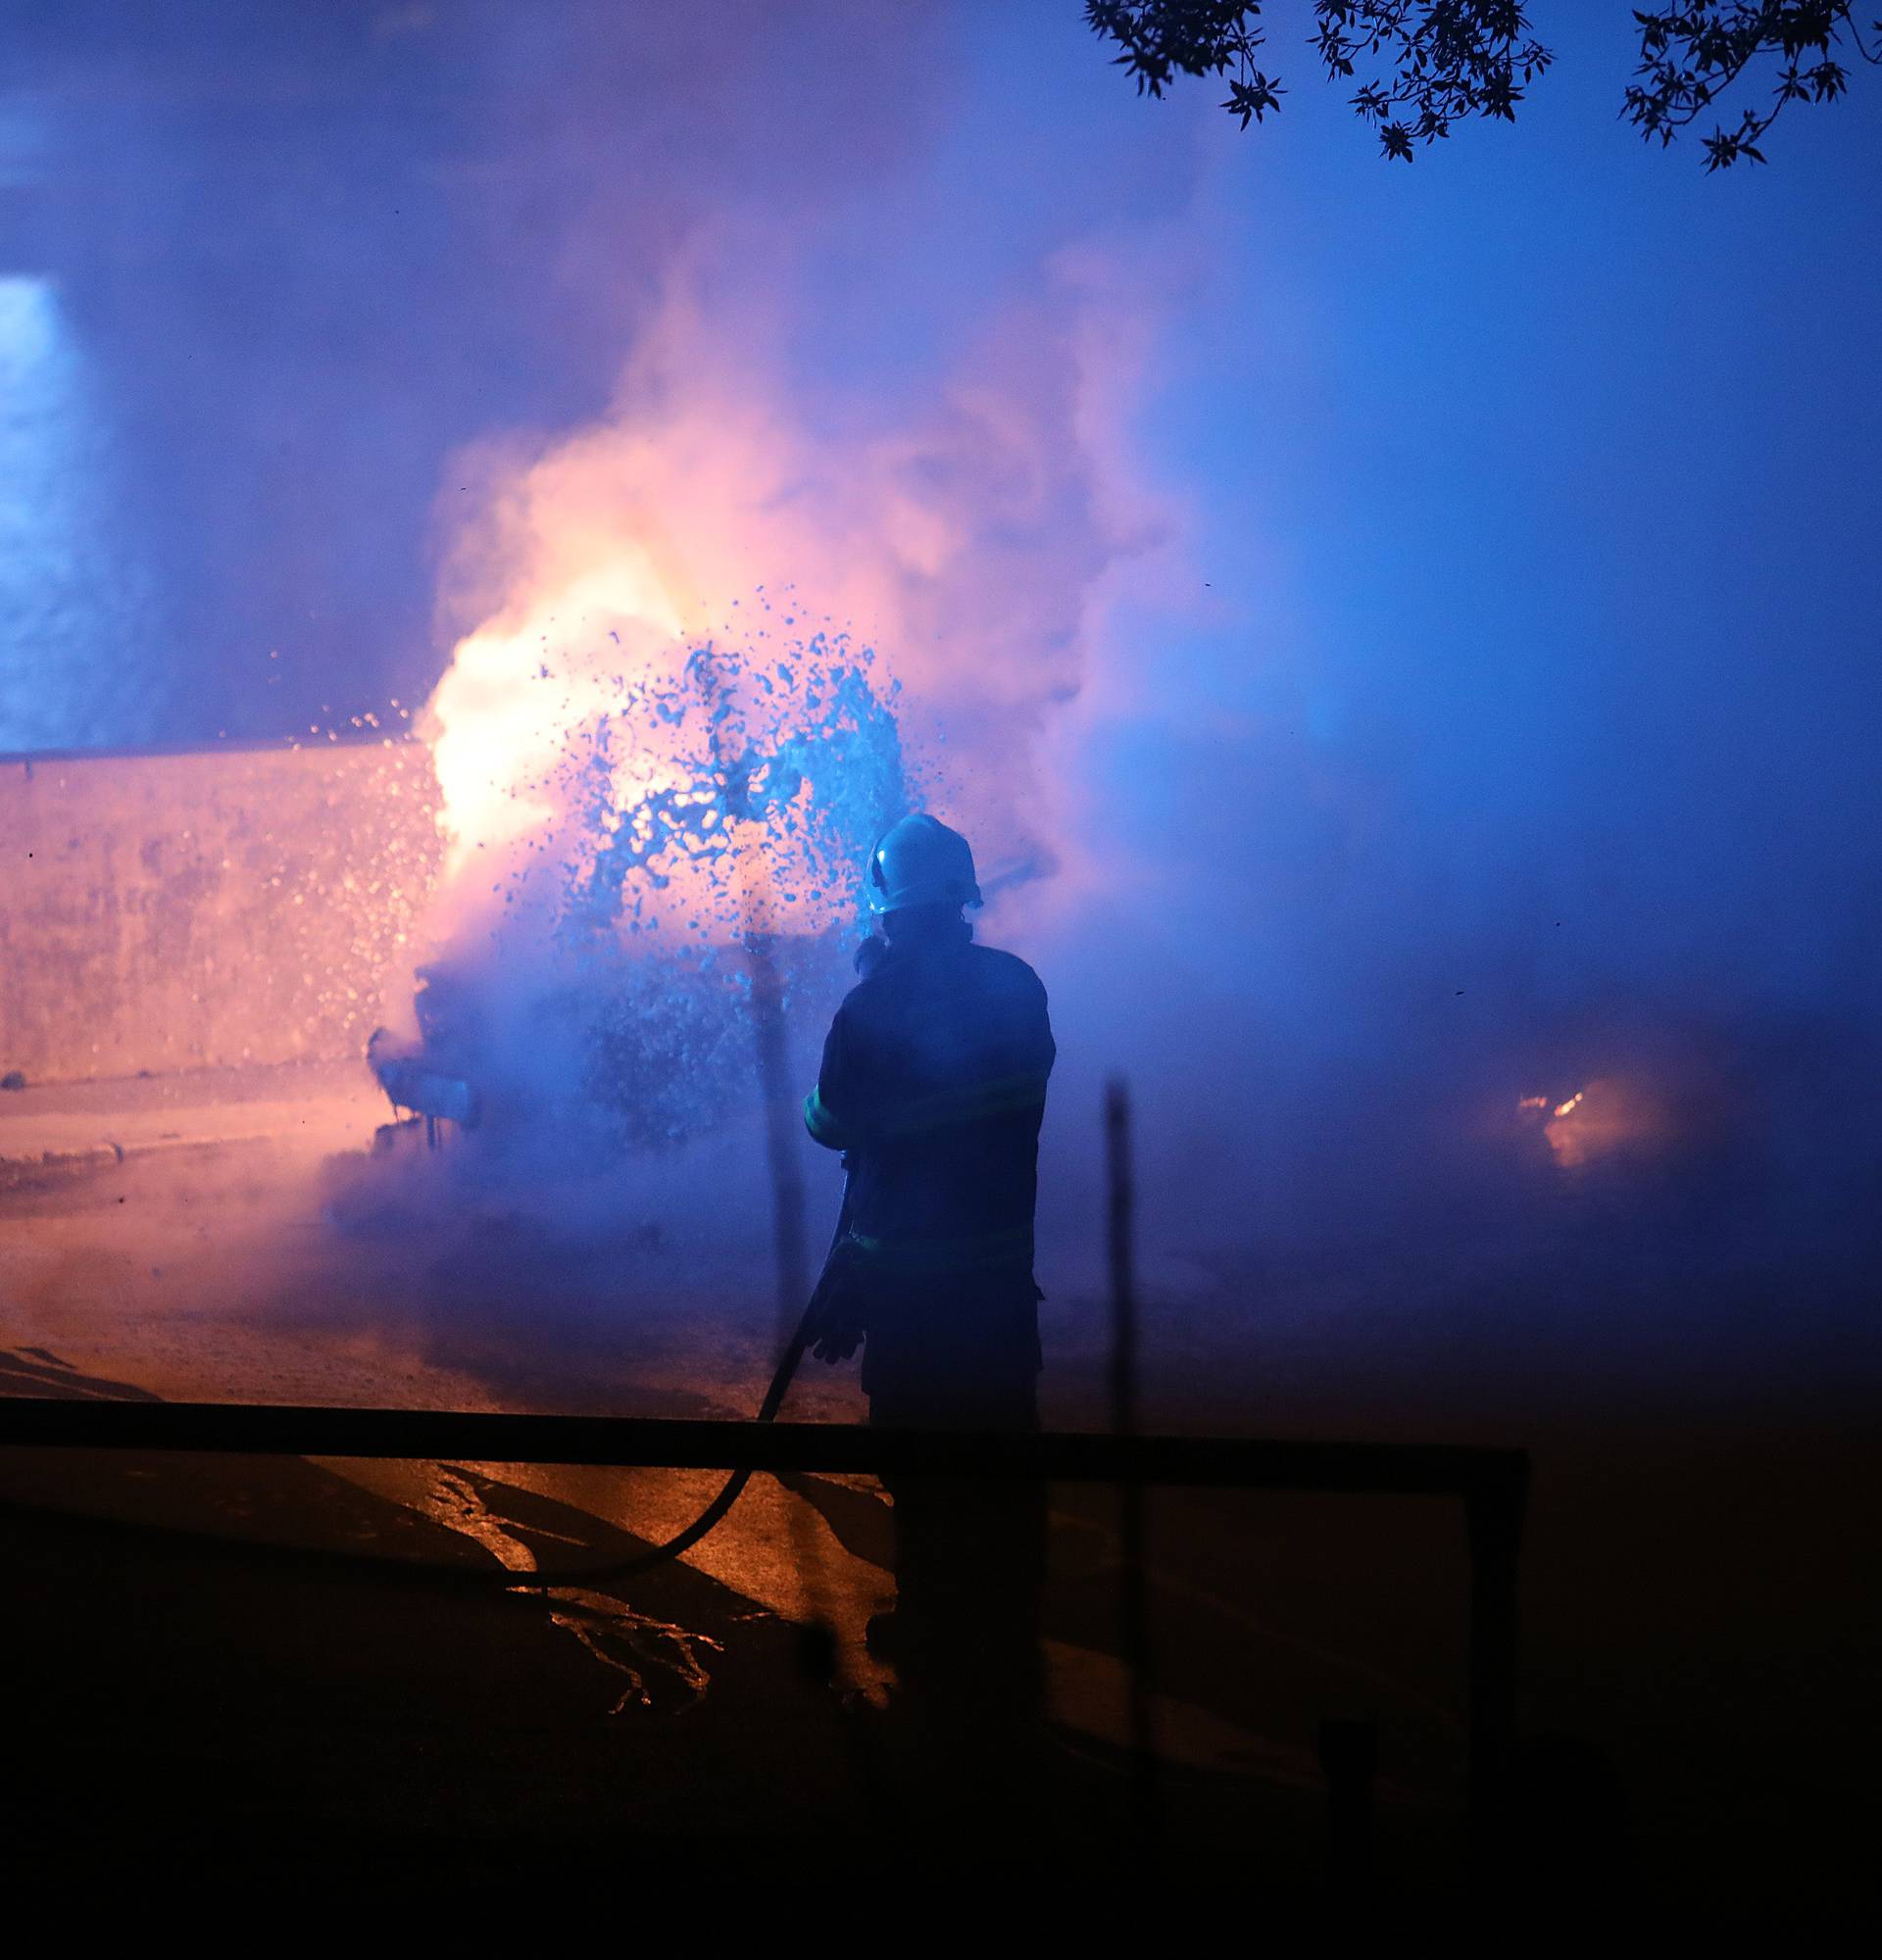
[781,1122]
[1494,1510]
[773,1039]
[1132,1604]
[790,1242]
[1350,1757]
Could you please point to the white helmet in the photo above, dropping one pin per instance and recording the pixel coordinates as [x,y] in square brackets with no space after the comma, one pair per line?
[921,862]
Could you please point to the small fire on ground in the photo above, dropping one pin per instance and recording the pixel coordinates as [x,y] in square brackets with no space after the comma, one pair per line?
[1601,1117]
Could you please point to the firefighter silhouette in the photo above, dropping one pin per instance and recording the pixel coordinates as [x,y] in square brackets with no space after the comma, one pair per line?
[933,1085]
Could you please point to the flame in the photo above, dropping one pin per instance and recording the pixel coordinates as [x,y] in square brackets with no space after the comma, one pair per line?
[502,718]
[961,530]
[1607,1115]
[1570,1139]
[647,728]
[597,761]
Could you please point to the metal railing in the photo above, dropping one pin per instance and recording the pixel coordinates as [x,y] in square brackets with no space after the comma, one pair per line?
[1491,1484]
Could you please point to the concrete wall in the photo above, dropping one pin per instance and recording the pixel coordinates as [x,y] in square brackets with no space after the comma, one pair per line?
[220,908]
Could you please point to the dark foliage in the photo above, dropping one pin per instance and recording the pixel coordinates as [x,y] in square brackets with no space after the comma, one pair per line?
[1419,67]
[1691,52]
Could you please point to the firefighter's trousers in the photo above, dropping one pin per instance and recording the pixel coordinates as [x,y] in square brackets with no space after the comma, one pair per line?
[969,1553]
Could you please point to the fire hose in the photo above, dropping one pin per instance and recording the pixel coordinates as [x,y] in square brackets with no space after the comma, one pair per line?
[733,1486]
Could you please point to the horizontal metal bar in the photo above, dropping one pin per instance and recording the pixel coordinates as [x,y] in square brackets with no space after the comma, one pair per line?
[1246,1462]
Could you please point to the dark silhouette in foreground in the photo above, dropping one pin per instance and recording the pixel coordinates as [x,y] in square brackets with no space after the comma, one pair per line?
[933,1085]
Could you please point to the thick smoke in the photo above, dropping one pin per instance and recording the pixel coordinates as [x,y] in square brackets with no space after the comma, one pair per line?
[1367,800]
[280,263]
[715,648]
[959,525]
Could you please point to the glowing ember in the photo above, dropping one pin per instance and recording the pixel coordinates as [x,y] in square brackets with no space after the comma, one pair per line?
[1607,1116]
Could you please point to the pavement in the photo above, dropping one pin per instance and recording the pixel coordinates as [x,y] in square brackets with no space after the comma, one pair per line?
[75,1125]
[306,1721]
[1698,1621]
[302,1717]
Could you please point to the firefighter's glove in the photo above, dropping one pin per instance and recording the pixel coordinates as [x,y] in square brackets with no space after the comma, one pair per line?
[836,1317]
[836,1332]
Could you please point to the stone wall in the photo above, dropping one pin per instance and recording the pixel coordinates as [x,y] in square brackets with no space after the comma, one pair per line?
[213,909]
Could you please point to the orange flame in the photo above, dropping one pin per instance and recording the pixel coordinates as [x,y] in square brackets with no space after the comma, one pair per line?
[500,720]
[1609,1114]
[618,555]
[963,540]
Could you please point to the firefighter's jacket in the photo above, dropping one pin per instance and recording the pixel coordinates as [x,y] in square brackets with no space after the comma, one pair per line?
[934,1082]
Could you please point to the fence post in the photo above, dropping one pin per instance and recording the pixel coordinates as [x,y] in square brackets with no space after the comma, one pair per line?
[1134,1616]
[1350,1759]
[1494,1505]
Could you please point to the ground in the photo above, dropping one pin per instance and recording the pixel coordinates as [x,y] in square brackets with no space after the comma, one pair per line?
[1699,1626]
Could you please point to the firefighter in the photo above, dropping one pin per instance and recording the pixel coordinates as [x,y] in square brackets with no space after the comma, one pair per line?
[933,1085]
